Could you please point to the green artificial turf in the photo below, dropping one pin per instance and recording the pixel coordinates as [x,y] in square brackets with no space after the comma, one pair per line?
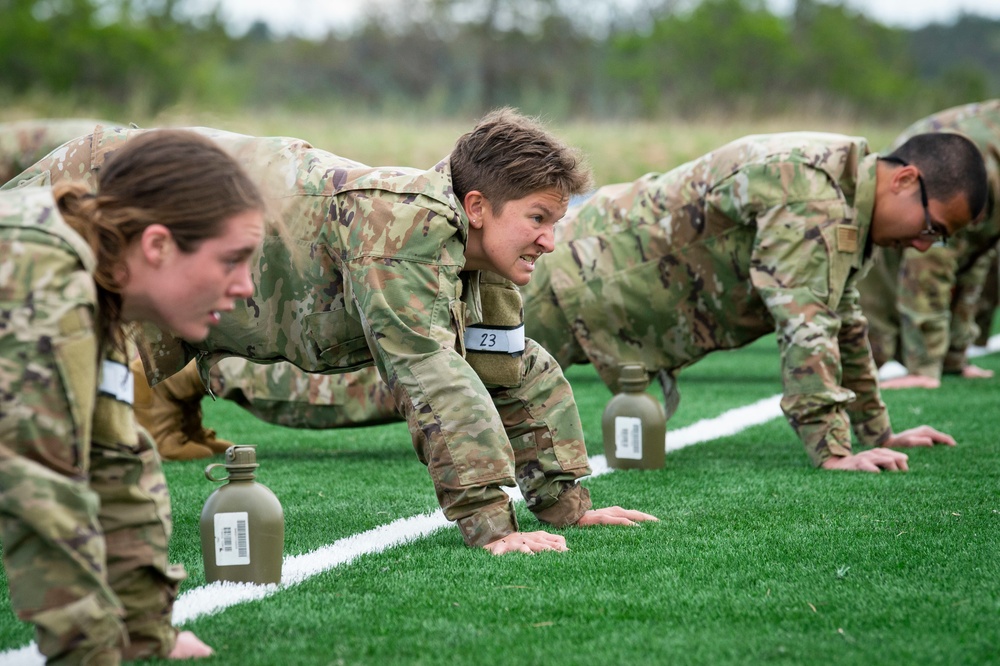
[757,558]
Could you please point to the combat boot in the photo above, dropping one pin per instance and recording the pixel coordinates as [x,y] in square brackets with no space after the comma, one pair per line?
[171,412]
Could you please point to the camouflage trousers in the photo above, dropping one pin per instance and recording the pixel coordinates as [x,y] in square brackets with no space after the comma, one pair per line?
[84,510]
[547,323]
[87,561]
[921,309]
[282,394]
[986,312]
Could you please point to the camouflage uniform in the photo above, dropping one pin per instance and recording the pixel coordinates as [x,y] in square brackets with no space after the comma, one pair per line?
[986,312]
[364,265]
[922,306]
[24,142]
[278,393]
[765,234]
[84,510]
[282,394]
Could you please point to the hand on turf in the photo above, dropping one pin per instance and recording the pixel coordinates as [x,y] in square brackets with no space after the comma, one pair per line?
[613,515]
[873,460]
[189,646]
[975,372]
[920,436]
[910,381]
[527,542]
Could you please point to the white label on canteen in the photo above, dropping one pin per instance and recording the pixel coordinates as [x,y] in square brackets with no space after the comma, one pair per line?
[232,539]
[628,438]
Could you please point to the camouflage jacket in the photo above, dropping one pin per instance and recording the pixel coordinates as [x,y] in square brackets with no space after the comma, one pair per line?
[24,142]
[937,291]
[768,233]
[37,236]
[70,445]
[359,265]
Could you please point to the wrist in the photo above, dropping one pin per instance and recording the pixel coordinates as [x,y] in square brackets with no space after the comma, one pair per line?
[488,525]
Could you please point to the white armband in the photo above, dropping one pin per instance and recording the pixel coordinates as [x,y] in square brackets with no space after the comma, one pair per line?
[495,340]
[117,381]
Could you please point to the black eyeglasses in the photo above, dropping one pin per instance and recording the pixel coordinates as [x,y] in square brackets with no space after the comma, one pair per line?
[931,228]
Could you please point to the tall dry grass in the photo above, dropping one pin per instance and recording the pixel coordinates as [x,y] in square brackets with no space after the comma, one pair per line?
[617,150]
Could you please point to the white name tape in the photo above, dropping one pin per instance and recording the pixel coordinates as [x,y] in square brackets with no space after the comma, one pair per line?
[117,381]
[497,340]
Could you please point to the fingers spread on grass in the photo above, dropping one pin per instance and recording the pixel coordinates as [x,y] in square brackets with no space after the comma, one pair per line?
[921,436]
[614,515]
[873,460]
[527,542]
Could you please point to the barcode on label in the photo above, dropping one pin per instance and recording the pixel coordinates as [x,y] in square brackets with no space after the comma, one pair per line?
[241,539]
[232,539]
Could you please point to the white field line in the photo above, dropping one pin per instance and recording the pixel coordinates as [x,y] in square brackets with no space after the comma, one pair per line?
[216,597]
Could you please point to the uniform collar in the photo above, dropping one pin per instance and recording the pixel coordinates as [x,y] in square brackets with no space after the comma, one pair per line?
[864,204]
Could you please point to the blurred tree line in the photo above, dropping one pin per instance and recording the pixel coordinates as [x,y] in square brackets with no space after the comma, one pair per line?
[565,58]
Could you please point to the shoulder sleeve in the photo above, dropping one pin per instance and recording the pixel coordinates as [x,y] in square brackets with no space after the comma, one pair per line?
[413,317]
[797,271]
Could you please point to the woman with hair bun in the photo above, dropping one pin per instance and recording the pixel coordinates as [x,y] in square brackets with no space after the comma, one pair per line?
[84,509]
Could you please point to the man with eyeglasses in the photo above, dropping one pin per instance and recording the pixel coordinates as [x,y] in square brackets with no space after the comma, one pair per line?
[769,233]
[922,306]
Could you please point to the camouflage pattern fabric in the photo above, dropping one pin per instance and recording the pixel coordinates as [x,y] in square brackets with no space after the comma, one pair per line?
[282,394]
[84,510]
[766,234]
[364,265]
[922,306]
[986,311]
[24,142]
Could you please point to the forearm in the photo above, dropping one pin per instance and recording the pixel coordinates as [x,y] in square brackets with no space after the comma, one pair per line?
[814,402]
[543,424]
[459,436]
[867,412]
[823,429]
[483,515]
[819,411]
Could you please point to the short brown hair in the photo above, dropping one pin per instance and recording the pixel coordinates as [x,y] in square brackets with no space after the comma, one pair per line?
[176,178]
[508,156]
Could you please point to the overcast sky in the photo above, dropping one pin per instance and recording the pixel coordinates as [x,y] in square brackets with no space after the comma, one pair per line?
[314,18]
